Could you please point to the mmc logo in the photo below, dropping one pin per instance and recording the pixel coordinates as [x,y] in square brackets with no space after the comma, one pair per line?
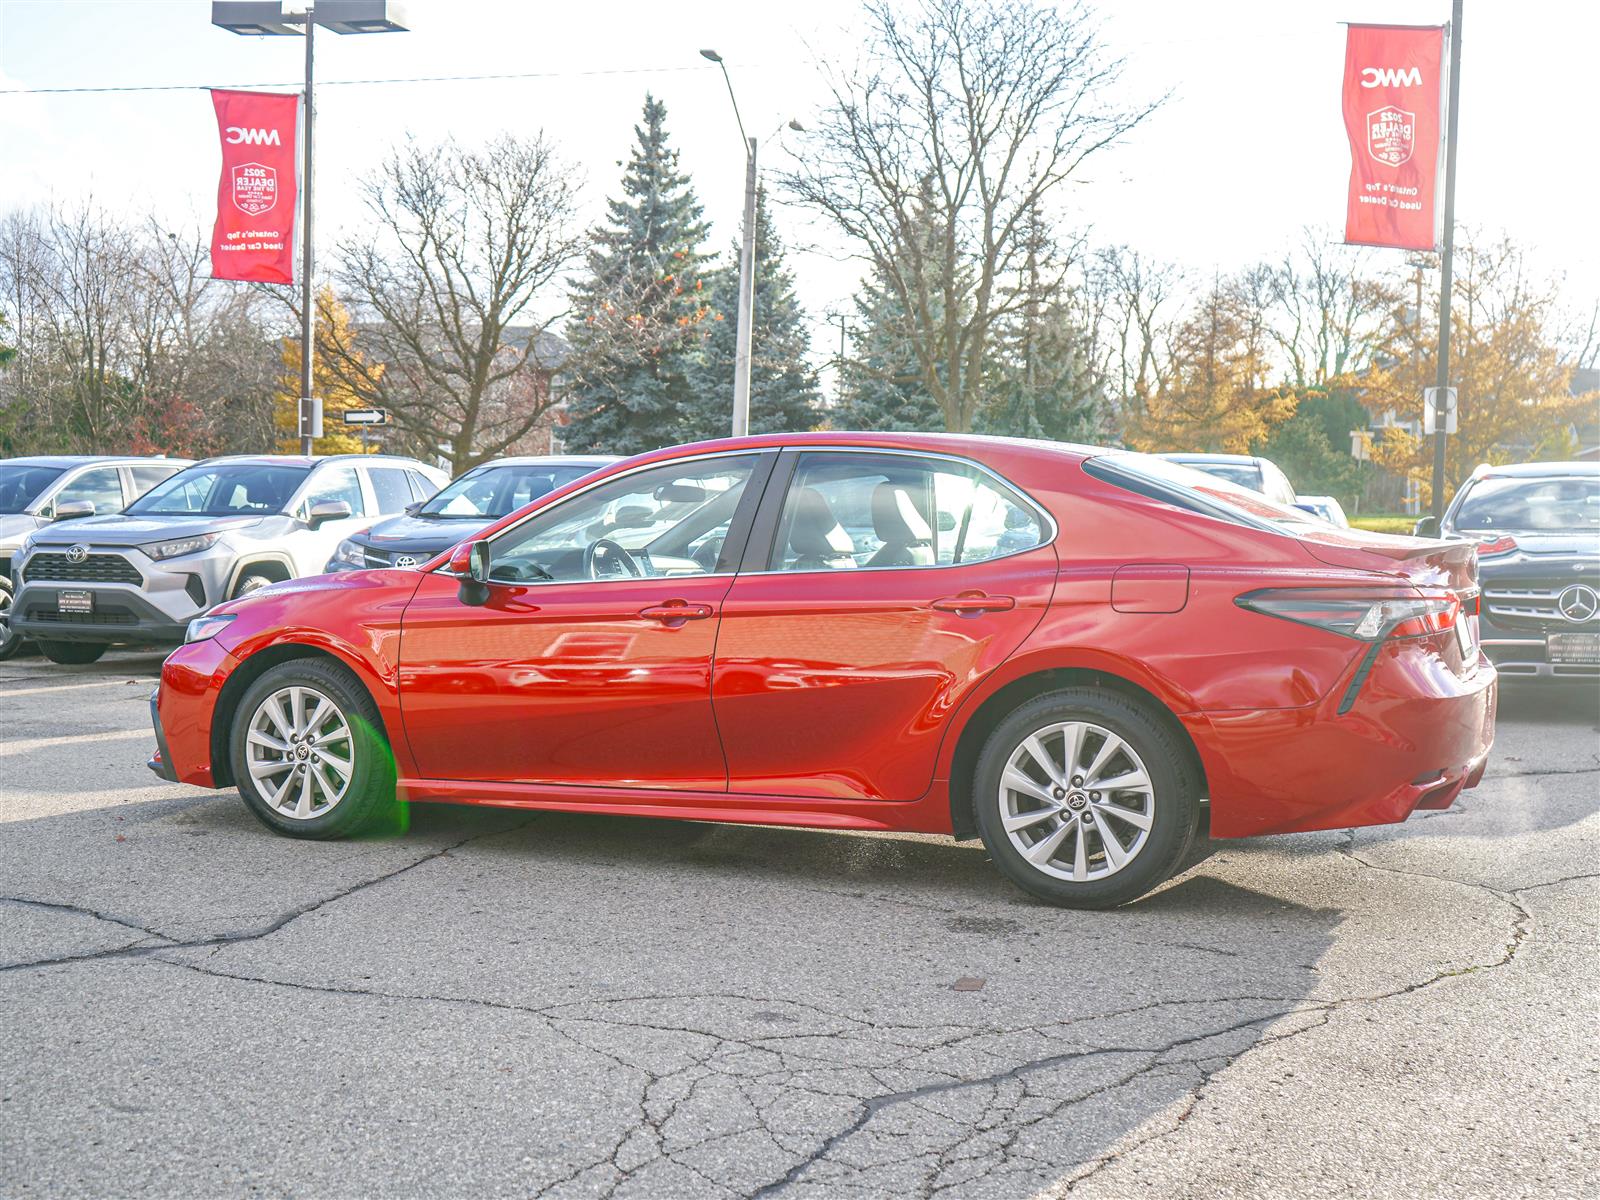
[238,135]
[1372,77]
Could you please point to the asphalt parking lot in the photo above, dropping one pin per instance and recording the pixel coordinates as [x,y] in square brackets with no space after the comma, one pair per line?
[505,1004]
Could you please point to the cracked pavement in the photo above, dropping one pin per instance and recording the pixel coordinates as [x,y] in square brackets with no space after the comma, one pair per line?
[501,1003]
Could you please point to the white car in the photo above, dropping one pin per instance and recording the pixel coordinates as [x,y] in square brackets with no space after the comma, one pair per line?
[213,532]
[1326,507]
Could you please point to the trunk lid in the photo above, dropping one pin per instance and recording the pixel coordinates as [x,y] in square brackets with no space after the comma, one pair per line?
[1424,562]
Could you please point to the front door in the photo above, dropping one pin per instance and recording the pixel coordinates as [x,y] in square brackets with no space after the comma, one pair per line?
[591,662]
[894,583]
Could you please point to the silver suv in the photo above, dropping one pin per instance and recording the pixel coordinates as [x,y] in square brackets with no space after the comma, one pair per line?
[59,487]
[213,532]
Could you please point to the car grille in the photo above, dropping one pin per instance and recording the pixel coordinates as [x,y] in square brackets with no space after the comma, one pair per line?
[104,617]
[97,568]
[374,558]
[1530,607]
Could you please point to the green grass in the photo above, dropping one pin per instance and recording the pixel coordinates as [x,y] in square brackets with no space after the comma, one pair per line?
[1384,522]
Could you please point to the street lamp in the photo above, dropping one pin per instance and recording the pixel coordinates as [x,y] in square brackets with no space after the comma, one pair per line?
[284,18]
[747,267]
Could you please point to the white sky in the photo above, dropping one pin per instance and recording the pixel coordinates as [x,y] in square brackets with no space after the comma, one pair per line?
[1249,149]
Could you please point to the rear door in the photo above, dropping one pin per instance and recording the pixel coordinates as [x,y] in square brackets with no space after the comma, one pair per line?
[879,589]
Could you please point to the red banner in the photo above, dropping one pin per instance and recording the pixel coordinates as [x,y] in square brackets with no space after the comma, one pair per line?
[254,236]
[1393,84]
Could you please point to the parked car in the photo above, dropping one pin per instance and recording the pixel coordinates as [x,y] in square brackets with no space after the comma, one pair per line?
[1247,470]
[214,531]
[1326,508]
[36,491]
[1058,649]
[1537,529]
[482,495]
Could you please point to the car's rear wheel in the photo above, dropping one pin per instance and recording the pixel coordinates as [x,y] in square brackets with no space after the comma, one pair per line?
[72,654]
[1085,799]
[309,754]
[10,640]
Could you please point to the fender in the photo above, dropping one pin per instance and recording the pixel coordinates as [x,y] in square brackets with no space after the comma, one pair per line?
[255,559]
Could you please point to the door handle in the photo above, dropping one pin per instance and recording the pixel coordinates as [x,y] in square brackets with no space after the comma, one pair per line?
[974,604]
[675,612]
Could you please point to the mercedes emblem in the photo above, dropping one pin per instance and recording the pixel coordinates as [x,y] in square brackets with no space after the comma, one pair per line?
[1580,602]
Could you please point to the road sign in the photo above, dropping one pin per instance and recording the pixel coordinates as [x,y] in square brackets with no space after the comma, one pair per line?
[366,416]
[1431,406]
[310,416]
[1361,445]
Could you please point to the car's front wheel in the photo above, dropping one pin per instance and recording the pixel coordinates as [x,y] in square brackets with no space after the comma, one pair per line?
[72,654]
[10,640]
[309,754]
[1084,798]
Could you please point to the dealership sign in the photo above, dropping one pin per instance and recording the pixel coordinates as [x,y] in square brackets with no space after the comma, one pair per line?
[1393,89]
[253,238]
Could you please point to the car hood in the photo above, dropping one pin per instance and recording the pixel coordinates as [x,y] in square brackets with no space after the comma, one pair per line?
[132,531]
[411,535]
[14,526]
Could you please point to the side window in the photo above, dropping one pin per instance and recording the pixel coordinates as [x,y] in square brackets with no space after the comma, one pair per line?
[390,487]
[335,483]
[102,487]
[849,511]
[146,477]
[670,520]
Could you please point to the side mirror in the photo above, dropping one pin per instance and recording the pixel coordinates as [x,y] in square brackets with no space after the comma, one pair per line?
[470,560]
[72,510]
[413,508]
[327,510]
[1427,527]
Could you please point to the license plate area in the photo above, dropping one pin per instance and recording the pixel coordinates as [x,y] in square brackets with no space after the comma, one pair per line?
[75,602]
[1573,648]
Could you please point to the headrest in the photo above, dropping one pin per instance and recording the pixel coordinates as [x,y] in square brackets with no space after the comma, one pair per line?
[895,518]
[814,532]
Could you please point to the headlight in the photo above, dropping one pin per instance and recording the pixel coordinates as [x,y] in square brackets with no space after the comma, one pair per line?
[350,554]
[179,546]
[206,627]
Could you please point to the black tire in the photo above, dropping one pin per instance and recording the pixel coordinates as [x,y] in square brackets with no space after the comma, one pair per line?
[249,582]
[368,803]
[73,654]
[10,641]
[1172,806]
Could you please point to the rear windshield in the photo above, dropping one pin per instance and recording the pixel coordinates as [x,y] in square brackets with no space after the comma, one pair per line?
[1199,491]
[221,490]
[1564,505]
[20,486]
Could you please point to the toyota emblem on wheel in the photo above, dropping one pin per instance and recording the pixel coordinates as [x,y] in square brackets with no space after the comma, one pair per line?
[76,554]
[1580,602]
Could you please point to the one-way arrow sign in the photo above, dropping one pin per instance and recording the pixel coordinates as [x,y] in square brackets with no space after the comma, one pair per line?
[366,416]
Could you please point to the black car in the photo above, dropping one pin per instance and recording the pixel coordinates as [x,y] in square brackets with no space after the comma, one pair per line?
[459,509]
[1538,531]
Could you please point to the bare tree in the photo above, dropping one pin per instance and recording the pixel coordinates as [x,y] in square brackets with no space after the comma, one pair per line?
[1333,309]
[1131,305]
[444,285]
[965,117]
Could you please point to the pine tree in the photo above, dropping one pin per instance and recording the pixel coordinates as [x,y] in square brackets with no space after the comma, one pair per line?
[880,385]
[641,307]
[783,388]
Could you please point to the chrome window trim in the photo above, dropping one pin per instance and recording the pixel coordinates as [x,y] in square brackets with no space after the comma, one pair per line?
[444,568]
[1028,502]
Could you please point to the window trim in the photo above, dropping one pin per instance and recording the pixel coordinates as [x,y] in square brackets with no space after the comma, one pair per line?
[772,513]
[744,516]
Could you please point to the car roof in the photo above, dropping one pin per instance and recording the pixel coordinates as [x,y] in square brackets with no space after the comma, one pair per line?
[307,460]
[1242,460]
[1537,470]
[75,460]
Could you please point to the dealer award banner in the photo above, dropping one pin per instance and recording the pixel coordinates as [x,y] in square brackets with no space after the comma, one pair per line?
[253,239]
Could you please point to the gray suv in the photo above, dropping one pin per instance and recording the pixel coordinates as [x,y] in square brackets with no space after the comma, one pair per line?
[59,487]
[213,532]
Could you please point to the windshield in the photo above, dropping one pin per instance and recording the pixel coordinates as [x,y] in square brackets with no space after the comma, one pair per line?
[21,486]
[493,492]
[1244,474]
[221,490]
[1567,505]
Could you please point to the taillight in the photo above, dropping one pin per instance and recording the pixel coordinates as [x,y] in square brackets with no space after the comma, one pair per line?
[1364,616]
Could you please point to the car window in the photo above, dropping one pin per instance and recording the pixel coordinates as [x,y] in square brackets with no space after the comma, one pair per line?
[846,511]
[670,520]
[497,491]
[331,484]
[101,487]
[20,486]
[146,477]
[421,486]
[390,488]
[222,490]
[1569,504]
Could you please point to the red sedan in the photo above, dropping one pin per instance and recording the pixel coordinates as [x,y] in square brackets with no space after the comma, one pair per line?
[1065,651]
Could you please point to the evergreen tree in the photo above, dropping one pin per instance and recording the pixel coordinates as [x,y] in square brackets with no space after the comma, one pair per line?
[783,388]
[880,385]
[640,307]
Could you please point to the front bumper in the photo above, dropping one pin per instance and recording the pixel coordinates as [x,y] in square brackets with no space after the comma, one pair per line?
[121,614]
[1417,735]
[146,602]
[1524,654]
[161,763]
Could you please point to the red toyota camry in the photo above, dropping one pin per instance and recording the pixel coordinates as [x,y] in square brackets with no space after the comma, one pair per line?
[1065,651]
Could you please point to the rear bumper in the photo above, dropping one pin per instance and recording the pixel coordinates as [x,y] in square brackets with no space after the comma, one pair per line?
[1417,736]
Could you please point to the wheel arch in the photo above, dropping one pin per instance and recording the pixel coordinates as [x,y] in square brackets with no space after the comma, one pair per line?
[1006,697]
[251,669]
[277,565]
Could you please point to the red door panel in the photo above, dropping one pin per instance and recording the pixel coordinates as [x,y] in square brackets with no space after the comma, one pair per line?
[840,683]
[601,683]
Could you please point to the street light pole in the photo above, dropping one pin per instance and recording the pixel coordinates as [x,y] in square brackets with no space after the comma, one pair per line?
[1445,271]
[747,299]
[310,414]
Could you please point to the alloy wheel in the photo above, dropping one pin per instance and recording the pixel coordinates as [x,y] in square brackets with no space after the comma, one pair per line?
[1076,801]
[299,752]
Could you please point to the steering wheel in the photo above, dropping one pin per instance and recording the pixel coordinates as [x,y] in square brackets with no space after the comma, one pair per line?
[604,550]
